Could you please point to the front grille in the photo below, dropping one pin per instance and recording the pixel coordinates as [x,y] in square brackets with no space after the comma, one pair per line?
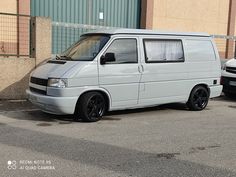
[43,92]
[226,80]
[231,70]
[227,87]
[39,81]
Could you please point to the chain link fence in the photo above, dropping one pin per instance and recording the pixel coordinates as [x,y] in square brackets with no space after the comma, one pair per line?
[226,45]
[65,34]
[14,35]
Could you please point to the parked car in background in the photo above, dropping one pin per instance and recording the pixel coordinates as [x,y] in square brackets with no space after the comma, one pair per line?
[125,69]
[228,78]
[223,61]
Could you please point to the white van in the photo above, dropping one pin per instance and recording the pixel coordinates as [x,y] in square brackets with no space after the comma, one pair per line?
[228,79]
[125,69]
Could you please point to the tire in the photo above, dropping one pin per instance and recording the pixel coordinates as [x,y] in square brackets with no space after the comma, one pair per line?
[91,107]
[198,98]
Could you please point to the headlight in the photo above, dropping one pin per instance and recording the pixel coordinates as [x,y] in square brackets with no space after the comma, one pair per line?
[59,83]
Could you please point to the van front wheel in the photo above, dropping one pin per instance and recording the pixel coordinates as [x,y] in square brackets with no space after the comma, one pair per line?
[91,107]
[198,98]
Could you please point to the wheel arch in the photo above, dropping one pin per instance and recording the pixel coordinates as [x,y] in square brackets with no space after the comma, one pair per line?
[99,90]
[203,85]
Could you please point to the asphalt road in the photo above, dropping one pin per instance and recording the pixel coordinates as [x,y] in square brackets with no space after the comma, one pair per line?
[168,141]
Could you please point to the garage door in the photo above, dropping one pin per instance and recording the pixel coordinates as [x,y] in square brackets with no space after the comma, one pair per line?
[73,17]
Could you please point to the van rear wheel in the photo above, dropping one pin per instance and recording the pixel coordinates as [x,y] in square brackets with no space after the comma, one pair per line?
[198,98]
[91,107]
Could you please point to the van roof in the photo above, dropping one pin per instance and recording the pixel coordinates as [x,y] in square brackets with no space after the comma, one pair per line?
[145,32]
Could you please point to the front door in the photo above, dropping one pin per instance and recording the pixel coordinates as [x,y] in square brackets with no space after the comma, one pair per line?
[121,77]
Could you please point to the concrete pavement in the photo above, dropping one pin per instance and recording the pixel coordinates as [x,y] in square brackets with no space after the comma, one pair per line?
[162,141]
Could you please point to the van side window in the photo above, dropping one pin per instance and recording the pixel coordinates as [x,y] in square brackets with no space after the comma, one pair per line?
[125,51]
[205,50]
[158,50]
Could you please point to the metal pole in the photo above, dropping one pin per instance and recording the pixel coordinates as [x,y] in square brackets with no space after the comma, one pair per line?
[18,30]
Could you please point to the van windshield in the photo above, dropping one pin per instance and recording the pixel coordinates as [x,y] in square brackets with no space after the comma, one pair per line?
[86,49]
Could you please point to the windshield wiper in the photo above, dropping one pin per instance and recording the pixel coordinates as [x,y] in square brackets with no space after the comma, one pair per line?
[65,57]
[61,57]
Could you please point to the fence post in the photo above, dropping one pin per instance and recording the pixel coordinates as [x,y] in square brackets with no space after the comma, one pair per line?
[41,38]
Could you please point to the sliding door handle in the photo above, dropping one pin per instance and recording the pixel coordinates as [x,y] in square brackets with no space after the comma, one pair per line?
[140,68]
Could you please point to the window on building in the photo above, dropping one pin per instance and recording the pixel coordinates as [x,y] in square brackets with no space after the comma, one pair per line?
[157,50]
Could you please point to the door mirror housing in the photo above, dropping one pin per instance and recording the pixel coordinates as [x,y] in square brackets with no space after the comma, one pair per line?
[109,57]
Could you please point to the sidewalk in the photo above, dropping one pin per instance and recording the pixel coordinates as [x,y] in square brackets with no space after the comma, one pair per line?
[15,105]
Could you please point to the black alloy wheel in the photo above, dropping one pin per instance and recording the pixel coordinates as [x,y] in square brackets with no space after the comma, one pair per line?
[91,107]
[198,99]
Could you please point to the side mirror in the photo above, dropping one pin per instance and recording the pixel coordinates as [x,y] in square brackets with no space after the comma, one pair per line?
[109,57]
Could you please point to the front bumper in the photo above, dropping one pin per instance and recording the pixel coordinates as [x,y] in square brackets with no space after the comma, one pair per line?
[228,86]
[53,105]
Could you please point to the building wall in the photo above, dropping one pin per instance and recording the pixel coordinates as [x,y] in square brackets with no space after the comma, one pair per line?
[14,77]
[235,25]
[235,28]
[24,7]
[8,6]
[209,16]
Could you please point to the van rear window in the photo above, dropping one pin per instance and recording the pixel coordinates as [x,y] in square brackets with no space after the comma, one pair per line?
[159,50]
